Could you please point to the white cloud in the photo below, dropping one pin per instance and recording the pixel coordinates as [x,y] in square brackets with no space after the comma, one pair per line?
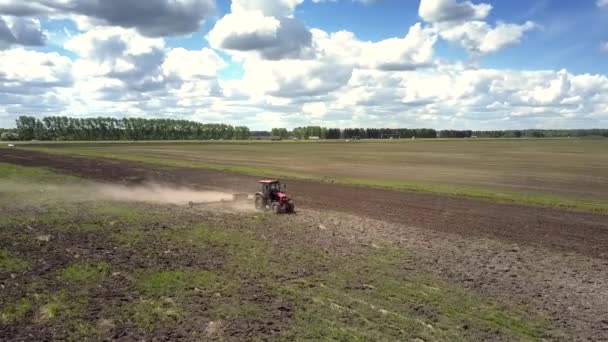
[121,71]
[461,23]
[262,28]
[269,37]
[604,46]
[478,37]
[335,57]
[454,96]
[33,82]
[192,65]
[273,93]
[249,27]
[552,91]
[271,8]
[315,109]
[20,31]
[602,3]
[103,44]
[410,52]
[440,11]
[151,17]
[120,54]
[23,66]
[294,78]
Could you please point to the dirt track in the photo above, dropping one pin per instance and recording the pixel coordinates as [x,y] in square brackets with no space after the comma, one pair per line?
[561,230]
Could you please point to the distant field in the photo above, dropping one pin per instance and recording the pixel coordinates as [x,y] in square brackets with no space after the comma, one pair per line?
[558,172]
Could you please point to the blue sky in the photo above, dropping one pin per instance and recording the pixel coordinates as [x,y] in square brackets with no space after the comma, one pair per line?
[430,63]
[569,35]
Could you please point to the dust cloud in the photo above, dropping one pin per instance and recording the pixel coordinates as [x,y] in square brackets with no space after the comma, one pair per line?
[92,191]
[158,194]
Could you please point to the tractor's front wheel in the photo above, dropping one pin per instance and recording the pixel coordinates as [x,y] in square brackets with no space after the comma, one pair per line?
[292,208]
[259,203]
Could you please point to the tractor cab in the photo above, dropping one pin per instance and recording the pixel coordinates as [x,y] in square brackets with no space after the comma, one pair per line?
[270,186]
[272,197]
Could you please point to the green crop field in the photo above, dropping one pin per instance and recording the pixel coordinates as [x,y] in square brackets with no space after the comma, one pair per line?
[555,172]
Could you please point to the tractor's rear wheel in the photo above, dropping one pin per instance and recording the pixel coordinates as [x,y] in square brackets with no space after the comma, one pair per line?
[259,203]
[276,208]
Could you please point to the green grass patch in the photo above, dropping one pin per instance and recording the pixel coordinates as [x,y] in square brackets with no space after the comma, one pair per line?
[128,236]
[178,283]
[46,306]
[148,314]
[11,172]
[86,274]
[244,254]
[82,330]
[9,262]
[57,304]
[24,189]
[15,312]
[62,310]
[370,299]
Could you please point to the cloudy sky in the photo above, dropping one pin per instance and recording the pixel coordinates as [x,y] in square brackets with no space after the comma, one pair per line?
[480,64]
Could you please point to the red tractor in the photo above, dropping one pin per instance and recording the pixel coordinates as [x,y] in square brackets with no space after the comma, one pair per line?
[271,197]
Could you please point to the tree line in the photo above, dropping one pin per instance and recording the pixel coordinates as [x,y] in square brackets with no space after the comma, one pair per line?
[61,128]
[408,133]
[353,133]
[526,133]
[543,133]
[389,133]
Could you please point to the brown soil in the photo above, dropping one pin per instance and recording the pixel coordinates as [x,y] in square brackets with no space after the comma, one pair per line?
[570,289]
[552,260]
[117,293]
[560,230]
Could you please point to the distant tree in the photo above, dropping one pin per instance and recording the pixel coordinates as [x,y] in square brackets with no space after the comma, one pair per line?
[314,131]
[333,133]
[309,131]
[9,136]
[299,132]
[455,134]
[26,127]
[260,133]
[538,134]
[280,132]
[355,133]
[241,133]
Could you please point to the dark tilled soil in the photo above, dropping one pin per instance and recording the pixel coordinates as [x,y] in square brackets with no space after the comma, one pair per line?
[567,231]
[116,295]
[570,290]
